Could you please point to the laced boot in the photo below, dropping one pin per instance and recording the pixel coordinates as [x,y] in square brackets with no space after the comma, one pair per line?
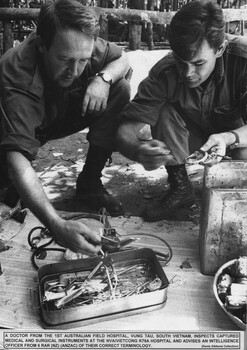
[89,188]
[180,194]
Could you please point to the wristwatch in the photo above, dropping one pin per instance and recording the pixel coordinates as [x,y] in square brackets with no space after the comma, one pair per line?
[105,77]
[237,141]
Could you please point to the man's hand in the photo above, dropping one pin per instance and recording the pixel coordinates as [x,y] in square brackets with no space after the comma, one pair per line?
[216,143]
[95,99]
[77,237]
[72,234]
[152,154]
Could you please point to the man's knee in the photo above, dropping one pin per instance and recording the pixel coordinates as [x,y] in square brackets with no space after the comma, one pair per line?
[169,122]
[171,129]
[104,130]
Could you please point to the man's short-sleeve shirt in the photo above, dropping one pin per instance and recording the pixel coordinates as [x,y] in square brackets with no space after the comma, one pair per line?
[219,102]
[30,106]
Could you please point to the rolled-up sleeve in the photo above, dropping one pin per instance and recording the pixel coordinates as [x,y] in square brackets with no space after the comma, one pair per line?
[104,52]
[20,115]
[150,98]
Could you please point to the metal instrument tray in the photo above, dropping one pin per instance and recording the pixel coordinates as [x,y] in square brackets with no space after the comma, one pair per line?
[86,314]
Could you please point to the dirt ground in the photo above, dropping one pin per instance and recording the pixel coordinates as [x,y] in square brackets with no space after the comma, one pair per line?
[59,162]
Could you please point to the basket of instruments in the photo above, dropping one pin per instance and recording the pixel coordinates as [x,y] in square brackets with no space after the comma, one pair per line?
[94,289]
[230,290]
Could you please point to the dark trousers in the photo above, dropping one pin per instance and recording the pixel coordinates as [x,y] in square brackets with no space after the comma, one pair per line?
[102,127]
[184,137]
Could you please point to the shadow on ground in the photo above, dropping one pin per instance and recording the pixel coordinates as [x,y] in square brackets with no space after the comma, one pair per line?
[59,162]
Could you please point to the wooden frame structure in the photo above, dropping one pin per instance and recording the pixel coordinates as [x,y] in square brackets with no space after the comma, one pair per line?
[133,17]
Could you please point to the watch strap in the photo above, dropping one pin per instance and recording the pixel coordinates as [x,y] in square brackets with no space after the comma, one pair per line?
[237,141]
[102,76]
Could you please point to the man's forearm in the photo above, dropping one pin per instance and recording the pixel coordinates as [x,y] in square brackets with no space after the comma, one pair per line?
[230,138]
[118,68]
[127,141]
[30,189]
[129,150]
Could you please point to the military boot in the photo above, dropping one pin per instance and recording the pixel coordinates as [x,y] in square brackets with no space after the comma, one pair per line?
[180,194]
[89,188]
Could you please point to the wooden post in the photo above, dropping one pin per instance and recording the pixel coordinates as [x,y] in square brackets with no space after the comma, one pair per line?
[150,37]
[135,33]
[174,5]
[150,34]
[8,37]
[150,5]
[103,3]
[103,21]
[135,28]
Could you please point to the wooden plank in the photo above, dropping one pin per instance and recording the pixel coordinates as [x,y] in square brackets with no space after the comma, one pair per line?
[120,14]
[117,14]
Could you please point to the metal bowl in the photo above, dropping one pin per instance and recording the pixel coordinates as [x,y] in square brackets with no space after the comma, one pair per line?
[235,319]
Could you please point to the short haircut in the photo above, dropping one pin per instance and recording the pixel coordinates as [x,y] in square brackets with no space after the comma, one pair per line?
[56,15]
[192,24]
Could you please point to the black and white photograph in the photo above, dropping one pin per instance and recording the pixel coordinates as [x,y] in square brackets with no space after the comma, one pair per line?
[123,174]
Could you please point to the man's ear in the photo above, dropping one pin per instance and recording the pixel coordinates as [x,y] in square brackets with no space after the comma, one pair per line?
[221,49]
[40,44]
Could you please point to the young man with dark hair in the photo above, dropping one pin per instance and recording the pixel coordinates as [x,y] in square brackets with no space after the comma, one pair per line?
[58,81]
[193,95]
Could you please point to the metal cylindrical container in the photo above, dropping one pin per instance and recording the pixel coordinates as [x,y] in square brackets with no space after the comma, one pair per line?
[223,229]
